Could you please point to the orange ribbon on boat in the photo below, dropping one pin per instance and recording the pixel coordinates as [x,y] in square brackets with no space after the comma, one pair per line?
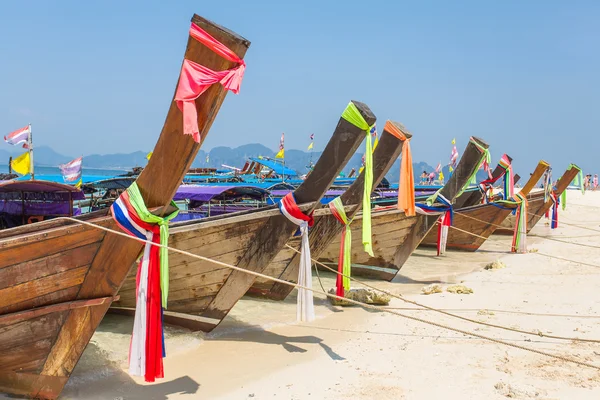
[195,79]
[406,187]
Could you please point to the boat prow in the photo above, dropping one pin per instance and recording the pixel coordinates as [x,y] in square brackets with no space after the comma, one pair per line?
[58,278]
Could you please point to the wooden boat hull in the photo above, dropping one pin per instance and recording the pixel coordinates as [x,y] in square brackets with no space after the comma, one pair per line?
[537,206]
[58,278]
[202,293]
[394,237]
[326,228]
[394,234]
[472,226]
[481,220]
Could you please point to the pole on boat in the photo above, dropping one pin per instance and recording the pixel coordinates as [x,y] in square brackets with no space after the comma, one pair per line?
[10,165]
[30,146]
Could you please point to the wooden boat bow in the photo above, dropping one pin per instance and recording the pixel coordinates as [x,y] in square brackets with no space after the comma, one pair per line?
[66,269]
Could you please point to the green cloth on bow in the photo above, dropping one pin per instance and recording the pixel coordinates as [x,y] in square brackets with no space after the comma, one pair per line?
[352,115]
[137,201]
[347,243]
[485,157]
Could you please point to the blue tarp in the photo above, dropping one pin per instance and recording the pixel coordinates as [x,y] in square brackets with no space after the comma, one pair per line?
[277,167]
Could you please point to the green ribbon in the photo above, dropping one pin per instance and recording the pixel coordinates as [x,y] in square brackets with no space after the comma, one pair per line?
[137,202]
[578,181]
[352,115]
[485,157]
[347,244]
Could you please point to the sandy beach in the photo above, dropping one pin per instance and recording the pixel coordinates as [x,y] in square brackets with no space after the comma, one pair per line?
[260,351]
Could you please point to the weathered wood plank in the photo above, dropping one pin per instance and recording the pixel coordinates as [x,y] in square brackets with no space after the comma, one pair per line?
[52,298]
[41,267]
[70,239]
[39,287]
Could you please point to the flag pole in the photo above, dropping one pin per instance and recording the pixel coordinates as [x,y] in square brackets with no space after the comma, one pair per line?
[30,145]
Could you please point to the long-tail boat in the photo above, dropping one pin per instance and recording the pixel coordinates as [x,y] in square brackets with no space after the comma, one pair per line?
[202,293]
[474,197]
[58,278]
[396,235]
[538,204]
[472,226]
[326,227]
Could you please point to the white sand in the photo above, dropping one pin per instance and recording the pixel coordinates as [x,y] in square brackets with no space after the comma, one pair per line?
[349,353]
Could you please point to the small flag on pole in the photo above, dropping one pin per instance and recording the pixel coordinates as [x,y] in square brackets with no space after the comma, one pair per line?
[19,136]
[148,156]
[281,153]
[312,137]
[374,136]
[22,164]
[207,157]
[71,171]
[439,167]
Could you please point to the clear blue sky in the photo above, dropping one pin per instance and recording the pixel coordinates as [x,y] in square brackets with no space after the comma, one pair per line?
[97,77]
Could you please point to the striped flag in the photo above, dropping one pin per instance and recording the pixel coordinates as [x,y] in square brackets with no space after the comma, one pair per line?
[19,136]
[71,171]
[439,167]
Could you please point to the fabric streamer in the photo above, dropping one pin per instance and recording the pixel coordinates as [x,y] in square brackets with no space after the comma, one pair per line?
[487,186]
[447,216]
[195,79]
[345,257]
[509,178]
[152,282]
[305,310]
[555,203]
[519,242]
[353,116]
[406,186]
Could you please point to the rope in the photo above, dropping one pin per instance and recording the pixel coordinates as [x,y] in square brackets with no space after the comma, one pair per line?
[450,314]
[502,312]
[367,306]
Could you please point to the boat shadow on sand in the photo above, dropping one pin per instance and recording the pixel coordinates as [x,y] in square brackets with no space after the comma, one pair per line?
[244,332]
[97,377]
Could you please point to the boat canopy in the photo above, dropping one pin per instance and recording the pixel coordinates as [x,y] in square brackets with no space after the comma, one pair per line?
[208,193]
[275,166]
[120,182]
[23,202]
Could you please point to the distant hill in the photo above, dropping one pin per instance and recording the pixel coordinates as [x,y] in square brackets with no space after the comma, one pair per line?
[298,160]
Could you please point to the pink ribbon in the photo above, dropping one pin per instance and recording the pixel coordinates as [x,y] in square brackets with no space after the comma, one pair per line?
[195,79]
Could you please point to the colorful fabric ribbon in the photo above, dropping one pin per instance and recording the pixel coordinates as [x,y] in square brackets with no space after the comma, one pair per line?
[509,178]
[353,116]
[445,210]
[305,310]
[519,242]
[152,282]
[195,79]
[345,257]
[555,203]
[486,186]
[406,186]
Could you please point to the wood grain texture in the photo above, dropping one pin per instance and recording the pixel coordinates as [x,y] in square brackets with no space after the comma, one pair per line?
[56,248]
[326,228]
